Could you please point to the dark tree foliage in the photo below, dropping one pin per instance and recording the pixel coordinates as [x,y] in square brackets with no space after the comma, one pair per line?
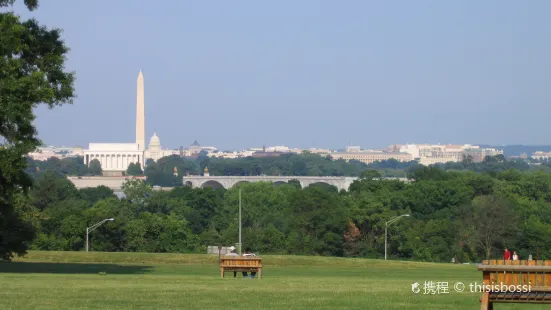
[31,73]
[134,169]
[30,4]
[95,167]
[73,166]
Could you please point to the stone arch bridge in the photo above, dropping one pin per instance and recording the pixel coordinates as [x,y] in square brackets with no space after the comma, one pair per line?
[228,182]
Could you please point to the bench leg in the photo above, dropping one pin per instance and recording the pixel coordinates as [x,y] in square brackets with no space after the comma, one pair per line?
[485,303]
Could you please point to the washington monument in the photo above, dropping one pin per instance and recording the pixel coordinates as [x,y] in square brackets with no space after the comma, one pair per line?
[140,114]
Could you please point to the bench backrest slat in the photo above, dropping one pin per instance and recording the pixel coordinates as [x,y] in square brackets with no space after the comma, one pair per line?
[548,275]
[524,272]
[538,276]
[241,261]
[533,273]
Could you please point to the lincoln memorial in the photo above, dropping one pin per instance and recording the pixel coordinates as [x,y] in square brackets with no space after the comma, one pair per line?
[114,157]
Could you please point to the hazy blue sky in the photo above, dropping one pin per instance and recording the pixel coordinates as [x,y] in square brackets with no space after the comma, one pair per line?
[235,74]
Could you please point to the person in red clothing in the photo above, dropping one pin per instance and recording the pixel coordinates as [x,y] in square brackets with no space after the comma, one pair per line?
[507,254]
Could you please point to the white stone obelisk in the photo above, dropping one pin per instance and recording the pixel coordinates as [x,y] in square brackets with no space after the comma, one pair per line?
[140,114]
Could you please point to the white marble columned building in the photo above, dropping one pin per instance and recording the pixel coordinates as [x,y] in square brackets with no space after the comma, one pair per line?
[114,157]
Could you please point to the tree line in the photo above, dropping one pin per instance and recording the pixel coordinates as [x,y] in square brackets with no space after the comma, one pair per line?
[168,171]
[463,215]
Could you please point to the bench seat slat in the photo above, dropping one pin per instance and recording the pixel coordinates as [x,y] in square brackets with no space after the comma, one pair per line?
[516,268]
[543,289]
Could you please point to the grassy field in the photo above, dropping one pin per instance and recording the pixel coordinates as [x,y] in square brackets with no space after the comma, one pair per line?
[78,280]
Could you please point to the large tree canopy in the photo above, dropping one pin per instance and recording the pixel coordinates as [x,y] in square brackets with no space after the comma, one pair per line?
[31,4]
[31,73]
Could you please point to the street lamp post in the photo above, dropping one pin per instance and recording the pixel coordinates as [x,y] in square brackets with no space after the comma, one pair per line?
[239,221]
[91,228]
[394,219]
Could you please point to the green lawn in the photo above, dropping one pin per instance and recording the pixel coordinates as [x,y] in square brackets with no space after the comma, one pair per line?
[74,280]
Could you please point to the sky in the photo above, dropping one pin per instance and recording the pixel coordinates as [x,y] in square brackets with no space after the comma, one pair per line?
[326,74]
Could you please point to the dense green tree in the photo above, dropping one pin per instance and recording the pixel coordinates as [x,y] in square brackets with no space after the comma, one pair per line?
[65,166]
[95,167]
[203,159]
[18,225]
[95,194]
[50,188]
[370,174]
[494,221]
[134,169]
[137,191]
[31,73]
[62,225]
[295,183]
[110,236]
[318,221]
[155,175]
[421,173]
[203,204]
[157,233]
[168,171]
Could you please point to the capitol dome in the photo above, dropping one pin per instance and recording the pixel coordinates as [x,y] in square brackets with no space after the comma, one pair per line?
[155,142]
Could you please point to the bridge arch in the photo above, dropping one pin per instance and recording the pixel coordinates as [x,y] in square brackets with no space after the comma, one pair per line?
[212,184]
[278,183]
[239,183]
[226,182]
[324,185]
[188,183]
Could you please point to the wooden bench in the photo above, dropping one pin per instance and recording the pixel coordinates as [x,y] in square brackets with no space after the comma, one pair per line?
[241,264]
[531,278]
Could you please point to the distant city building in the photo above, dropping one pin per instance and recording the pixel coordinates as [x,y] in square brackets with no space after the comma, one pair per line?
[196,148]
[369,157]
[44,153]
[114,157]
[523,156]
[319,151]
[353,149]
[231,155]
[429,154]
[440,154]
[255,152]
[282,149]
[266,154]
[478,154]
[541,155]
[154,151]
[77,151]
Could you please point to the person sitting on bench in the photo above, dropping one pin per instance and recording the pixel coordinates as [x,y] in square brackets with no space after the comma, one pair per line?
[248,253]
